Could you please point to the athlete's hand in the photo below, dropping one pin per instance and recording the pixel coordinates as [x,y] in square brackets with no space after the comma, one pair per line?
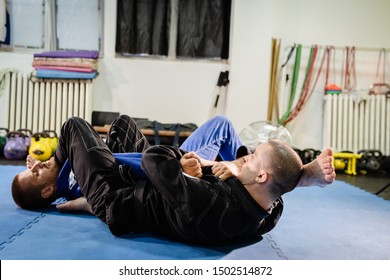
[190,163]
[79,204]
[225,169]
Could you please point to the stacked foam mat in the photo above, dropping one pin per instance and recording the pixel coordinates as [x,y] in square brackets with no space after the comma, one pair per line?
[66,65]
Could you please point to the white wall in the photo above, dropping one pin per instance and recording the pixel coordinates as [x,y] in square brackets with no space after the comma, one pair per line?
[250,59]
[362,24]
[182,91]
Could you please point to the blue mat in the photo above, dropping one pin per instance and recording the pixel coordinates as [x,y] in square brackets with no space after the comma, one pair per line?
[340,222]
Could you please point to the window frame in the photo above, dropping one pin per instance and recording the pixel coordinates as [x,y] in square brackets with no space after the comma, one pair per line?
[50,38]
[172,41]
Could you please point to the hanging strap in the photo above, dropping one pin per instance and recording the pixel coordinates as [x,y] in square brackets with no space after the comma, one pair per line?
[308,75]
[350,69]
[297,66]
[329,52]
[285,78]
[382,51]
[380,87]
[294,82]
[307,91]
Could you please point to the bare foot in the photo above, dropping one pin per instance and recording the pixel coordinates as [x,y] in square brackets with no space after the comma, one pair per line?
[79,204]
[319,172]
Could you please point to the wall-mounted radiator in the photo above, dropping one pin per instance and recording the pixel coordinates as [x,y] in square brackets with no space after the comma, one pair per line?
[354,125]
[44,105]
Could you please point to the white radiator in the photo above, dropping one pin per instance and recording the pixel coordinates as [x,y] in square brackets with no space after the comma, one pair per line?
[351,125]
[45,105]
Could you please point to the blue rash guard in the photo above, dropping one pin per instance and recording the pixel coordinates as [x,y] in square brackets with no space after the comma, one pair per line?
[68,187]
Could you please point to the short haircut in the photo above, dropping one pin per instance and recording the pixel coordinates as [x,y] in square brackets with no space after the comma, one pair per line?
[28,197]
[286,167]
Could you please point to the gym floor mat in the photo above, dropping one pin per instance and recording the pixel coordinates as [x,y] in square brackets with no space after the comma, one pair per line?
[340,222]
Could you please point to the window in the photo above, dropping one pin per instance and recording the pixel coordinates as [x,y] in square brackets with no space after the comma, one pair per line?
[21,30]
[174,28]
[52,24]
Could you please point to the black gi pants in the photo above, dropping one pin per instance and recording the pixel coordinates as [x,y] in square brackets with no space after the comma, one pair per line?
[92,160]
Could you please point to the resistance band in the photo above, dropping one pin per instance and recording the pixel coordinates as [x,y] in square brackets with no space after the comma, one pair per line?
[297,65]
[350,71]
[306,93]
[384,65]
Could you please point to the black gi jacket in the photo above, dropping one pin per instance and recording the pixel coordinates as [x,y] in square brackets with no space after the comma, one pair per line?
[178,206]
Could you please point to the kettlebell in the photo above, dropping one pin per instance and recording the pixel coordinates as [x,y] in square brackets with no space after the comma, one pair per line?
[53,139]
[40,148]
[308,155]
[27,133]
[15,148]
[299,152]
[370,160]
[3,139]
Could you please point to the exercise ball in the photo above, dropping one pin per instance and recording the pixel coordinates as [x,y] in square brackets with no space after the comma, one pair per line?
[262,131]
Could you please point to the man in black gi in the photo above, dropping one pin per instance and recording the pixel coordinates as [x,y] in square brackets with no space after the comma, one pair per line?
[185,197]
